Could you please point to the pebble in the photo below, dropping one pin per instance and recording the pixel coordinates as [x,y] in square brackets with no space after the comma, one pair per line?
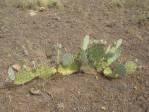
[135,87]
[16,67]
[41,9]
[33,13]
[34,91]
[103,108]
[60,105]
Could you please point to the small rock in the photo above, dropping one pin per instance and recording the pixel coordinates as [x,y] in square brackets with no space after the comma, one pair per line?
[103,108]
[60,105]
[25,52]
[135,87]
[41,9]
[75,109]
[32,13]
[34,91]
[97,78]
[16,67]
[79,92]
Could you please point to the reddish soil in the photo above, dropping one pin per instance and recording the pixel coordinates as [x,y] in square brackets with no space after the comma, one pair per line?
[24,39]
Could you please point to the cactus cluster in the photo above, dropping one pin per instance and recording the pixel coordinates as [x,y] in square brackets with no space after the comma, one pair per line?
[94,57]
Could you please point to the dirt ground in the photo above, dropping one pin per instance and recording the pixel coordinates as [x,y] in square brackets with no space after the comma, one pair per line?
[24,39]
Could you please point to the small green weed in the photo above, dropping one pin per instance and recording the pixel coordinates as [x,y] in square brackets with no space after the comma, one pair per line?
[130,4]
[117,3]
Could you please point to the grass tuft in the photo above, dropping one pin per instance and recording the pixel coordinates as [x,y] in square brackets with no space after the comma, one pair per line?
[117,3]
[35,4]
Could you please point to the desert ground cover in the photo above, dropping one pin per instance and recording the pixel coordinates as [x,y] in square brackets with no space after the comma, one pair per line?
[24,37]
